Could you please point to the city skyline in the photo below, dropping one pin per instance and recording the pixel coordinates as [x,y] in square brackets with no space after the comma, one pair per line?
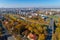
[29,3]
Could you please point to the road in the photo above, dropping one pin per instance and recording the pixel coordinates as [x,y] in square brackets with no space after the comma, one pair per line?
[5,34]
[50,30]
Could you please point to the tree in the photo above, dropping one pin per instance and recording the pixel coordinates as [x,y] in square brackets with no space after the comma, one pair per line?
[41,37]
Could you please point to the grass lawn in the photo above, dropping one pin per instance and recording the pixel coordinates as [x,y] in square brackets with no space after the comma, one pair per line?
[55,17]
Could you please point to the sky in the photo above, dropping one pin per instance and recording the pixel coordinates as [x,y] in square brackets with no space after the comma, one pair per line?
[29,3]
